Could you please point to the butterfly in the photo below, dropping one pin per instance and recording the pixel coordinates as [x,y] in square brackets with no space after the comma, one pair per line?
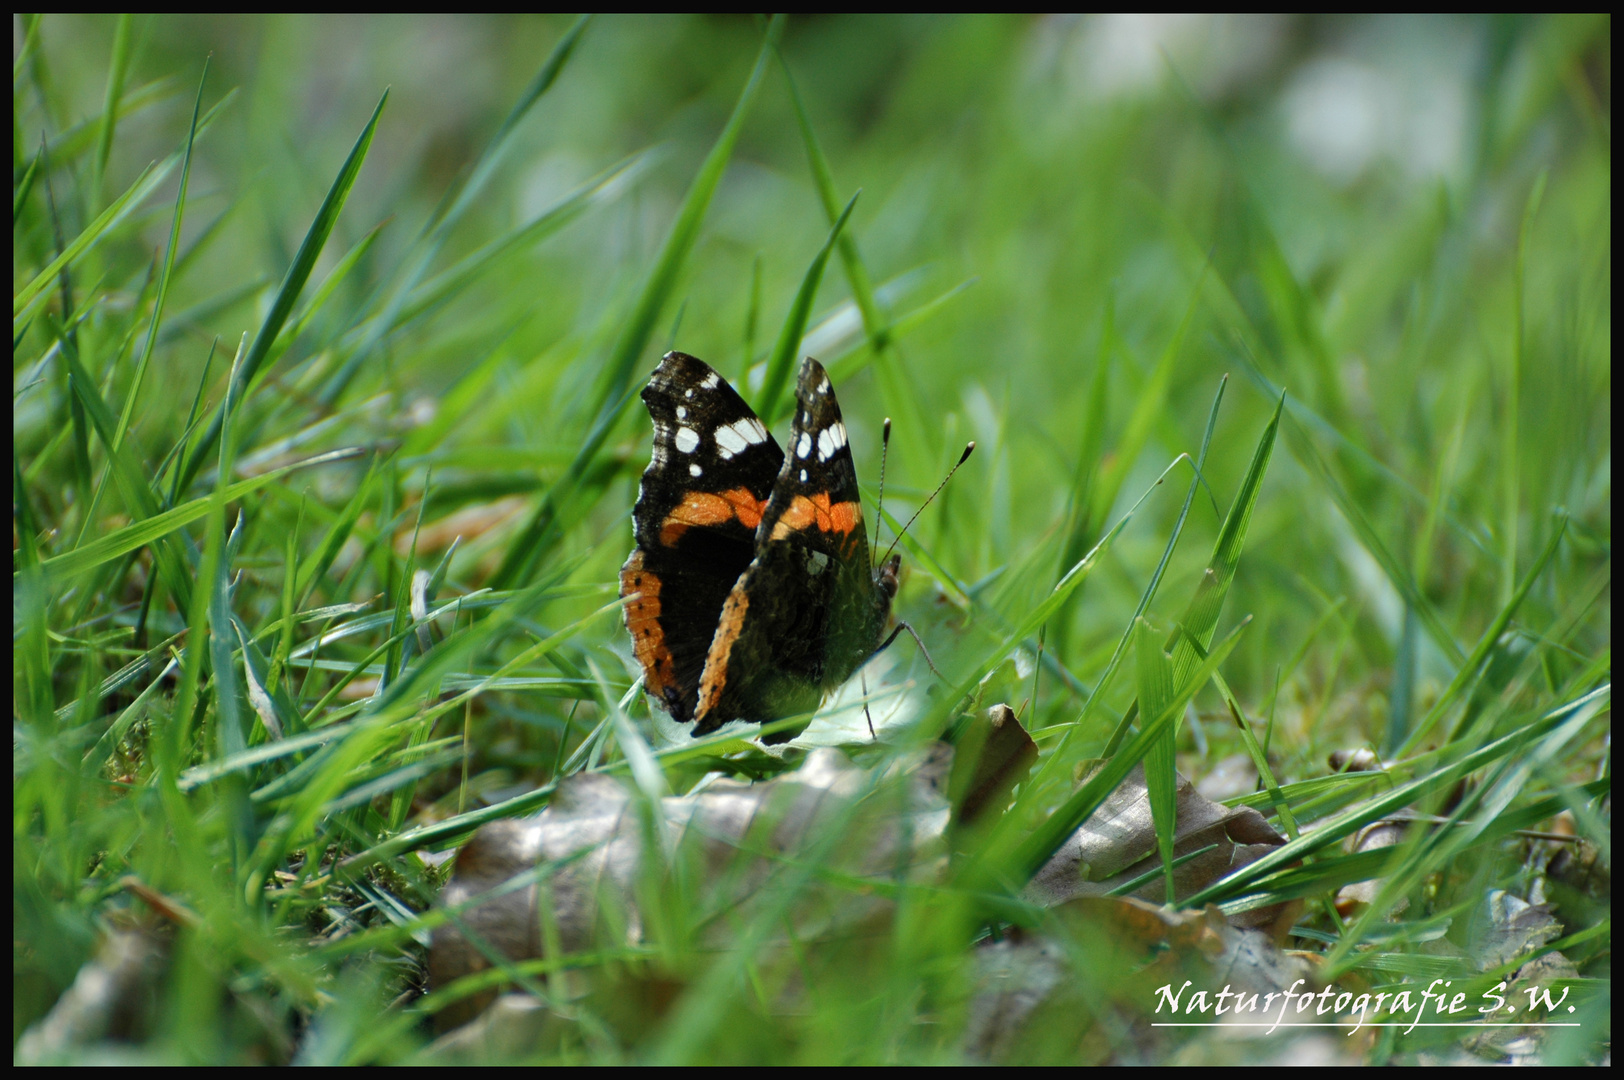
[751,594]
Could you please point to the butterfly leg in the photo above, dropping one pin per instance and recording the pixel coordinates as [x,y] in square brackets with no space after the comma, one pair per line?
[901,626]
[863,676]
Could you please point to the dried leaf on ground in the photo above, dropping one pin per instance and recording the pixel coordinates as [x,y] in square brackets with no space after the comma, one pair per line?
[723,843]
[1117,844]
[1109,964]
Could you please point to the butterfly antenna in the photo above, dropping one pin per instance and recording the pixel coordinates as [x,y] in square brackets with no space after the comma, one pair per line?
[969,448]
[879,503]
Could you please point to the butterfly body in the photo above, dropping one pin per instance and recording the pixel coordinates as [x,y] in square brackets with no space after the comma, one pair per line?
[751,594]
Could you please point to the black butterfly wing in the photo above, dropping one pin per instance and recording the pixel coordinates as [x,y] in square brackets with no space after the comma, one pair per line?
[809,610]
[698,509]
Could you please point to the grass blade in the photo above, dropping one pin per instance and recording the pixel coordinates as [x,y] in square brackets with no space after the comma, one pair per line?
[1344,825]
[130,537]
[612,395]
[144,185]
[1156,694]
[781,359]
[116,71]
[304,261]
[1042,842]
[862,289]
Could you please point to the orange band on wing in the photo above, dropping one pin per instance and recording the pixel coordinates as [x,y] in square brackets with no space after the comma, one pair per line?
[706,508]
[817,512]
[721,650]
[643,621]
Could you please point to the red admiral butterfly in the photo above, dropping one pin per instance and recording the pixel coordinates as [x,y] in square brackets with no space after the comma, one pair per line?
[751,591]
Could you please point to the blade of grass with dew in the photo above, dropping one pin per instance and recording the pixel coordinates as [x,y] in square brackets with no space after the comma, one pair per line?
[782,357]
[611,395]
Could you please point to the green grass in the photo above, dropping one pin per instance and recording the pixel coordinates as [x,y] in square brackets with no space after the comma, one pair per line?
[325,435]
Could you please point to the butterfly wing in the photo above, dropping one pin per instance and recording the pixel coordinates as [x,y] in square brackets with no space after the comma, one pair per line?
[698,509]
[808,611]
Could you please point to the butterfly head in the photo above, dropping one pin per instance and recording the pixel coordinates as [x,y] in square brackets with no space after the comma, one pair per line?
[885,578]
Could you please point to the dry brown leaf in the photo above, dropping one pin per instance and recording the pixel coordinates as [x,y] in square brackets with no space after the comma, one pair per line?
[728,837]
[1039,994]
[1118,844]
[993,754]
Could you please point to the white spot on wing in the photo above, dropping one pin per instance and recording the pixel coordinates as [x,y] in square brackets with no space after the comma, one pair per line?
[709,381]
[687,440]
[803,476]
[682,412]
[694,469]
[830,440]
[729,441]
[803,447]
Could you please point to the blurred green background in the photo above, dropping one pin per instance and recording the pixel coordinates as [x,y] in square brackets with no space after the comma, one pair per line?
[1074,228]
